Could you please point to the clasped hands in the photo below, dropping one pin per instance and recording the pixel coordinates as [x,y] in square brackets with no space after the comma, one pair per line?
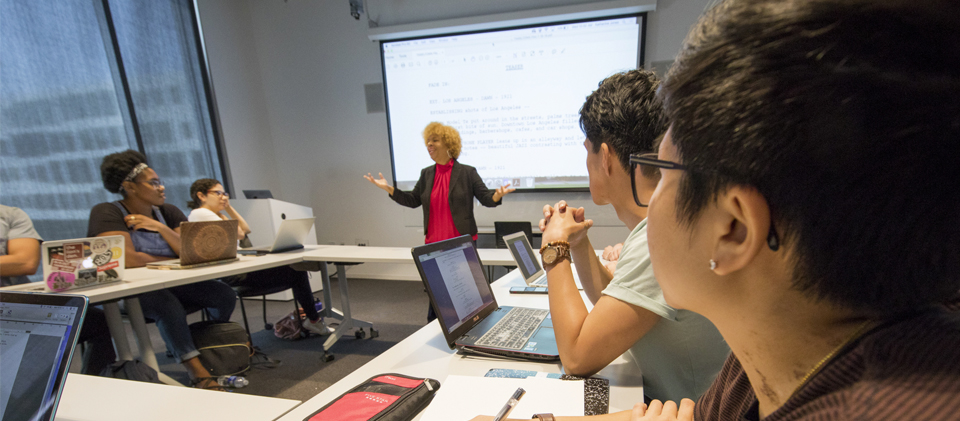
[563,223]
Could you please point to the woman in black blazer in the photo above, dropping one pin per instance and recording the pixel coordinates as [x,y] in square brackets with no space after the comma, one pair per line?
[445,190]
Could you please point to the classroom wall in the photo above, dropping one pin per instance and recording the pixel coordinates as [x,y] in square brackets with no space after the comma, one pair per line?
[289,79]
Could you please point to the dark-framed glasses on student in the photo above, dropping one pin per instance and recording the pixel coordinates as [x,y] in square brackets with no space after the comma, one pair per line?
[649,166]
[220,193]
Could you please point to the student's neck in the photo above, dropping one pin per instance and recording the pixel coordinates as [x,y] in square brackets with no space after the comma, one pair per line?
[627,210]
[137,206]
[780,340]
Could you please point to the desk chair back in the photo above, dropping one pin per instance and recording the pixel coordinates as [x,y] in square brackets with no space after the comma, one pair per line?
[503,228]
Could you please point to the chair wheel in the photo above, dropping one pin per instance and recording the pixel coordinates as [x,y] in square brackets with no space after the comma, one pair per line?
[360,333]
[374,333]
[268,326]
[327,357]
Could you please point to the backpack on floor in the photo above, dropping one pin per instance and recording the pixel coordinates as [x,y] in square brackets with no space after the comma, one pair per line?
[131,370]
[290,327]
[225,347]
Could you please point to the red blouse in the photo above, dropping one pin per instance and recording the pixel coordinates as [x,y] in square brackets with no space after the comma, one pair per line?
[440,226]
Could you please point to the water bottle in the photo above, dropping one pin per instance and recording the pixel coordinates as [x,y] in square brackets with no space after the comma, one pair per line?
[318,305]
[233,382]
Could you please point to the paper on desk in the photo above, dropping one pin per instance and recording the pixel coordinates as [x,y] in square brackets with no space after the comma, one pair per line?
[464,397]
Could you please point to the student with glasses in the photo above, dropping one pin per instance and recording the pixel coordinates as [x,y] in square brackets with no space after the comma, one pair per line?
[678,351]
[151,231]
[210,202]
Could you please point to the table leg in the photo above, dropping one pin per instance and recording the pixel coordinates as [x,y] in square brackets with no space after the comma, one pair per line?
[140,329]
[115,323]
[347,321]
[327,300]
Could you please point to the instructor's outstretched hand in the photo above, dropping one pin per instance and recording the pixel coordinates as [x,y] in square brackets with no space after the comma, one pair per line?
[381,183]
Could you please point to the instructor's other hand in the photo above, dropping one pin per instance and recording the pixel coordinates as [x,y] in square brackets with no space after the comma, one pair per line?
[502,191]
[381,182]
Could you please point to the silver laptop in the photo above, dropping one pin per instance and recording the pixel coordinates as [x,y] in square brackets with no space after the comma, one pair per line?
[468,313]
[290,236]
[82,262]
[38,334]
[526,259]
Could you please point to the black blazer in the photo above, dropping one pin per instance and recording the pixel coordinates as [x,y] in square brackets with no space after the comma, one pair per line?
[465,184]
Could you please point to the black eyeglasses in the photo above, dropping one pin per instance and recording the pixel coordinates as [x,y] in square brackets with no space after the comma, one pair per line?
[220,193]
[650,160]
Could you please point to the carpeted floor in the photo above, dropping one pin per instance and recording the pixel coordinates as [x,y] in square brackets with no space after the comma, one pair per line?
[396,309]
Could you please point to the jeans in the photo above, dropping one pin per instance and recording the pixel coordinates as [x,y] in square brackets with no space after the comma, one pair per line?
[294,279]
[98,351]
[169,308]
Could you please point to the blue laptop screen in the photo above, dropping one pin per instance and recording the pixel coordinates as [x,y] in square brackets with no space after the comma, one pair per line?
[34,341]
[457,282]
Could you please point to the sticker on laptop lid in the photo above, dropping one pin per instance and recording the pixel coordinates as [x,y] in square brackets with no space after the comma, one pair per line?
[59,281]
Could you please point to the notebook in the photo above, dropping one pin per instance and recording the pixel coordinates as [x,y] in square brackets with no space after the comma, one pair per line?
[82,262]
[38,334]
[290,236]
[469,316]
[204,243]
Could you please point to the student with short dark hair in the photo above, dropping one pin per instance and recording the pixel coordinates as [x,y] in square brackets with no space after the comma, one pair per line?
[678,351]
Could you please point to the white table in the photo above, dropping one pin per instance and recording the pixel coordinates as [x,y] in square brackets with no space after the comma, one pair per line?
[90,398]
[141,280]
[426,354]
[341,256]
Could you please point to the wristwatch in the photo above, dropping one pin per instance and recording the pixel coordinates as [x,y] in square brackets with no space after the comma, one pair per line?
[554,251]
[543,417]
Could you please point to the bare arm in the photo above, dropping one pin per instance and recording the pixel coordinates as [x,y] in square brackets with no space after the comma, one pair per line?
[242,228]
[132,257]
[381,183]
[22,258]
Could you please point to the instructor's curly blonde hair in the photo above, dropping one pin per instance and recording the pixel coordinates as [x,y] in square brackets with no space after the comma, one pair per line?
[449,136]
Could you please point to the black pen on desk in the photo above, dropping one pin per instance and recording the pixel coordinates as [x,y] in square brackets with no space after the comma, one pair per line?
[514,400]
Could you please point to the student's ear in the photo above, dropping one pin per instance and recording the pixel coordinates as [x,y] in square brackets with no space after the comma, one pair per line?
[607,158]
[742,223]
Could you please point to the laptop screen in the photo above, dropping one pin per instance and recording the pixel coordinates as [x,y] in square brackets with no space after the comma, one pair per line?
[523,254]
[38,333]
[456,281]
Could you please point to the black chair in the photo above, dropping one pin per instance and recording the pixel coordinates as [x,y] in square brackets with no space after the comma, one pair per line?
[507,227]
[244,291]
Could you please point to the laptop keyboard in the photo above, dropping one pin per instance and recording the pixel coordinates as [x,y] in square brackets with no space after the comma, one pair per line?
[515,329]
[541,281]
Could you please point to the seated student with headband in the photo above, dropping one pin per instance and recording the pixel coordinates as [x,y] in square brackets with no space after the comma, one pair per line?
[209,201]
[151,231]
[806,207]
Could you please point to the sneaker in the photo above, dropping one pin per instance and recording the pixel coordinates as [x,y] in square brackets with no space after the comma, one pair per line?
[316,327]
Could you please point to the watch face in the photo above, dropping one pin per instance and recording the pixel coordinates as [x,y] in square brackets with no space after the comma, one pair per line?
[549,255]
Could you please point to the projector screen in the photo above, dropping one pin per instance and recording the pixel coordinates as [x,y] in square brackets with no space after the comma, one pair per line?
[513,94]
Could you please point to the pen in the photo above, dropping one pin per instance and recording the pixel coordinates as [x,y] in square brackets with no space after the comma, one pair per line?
[510,404]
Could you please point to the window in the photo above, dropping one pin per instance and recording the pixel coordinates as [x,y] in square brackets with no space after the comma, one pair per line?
[85,78]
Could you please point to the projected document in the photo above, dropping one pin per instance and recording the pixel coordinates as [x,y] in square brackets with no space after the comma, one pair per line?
[514,96]
[460,284]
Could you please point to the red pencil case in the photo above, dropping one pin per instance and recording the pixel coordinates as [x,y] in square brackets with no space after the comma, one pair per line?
[384,397]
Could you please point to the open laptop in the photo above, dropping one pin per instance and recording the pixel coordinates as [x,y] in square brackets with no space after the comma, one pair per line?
[82,262]
[38,334]
[205,243]
[290,236]
[529,261]
[469,316]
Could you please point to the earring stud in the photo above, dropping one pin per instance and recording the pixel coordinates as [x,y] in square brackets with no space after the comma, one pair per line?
[713,264]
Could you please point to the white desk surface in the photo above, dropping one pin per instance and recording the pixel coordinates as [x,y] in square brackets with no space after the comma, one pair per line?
[357,254]
[426,354]
[91,398]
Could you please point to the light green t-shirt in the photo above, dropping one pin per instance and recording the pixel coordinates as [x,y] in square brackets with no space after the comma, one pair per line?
[682,354]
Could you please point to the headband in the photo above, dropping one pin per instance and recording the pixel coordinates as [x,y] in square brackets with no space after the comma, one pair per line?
[136,171]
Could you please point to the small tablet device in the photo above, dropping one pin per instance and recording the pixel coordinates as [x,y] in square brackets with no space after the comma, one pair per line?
[528,290]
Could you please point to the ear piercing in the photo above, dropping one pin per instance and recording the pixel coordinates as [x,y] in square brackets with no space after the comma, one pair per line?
[713,264]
